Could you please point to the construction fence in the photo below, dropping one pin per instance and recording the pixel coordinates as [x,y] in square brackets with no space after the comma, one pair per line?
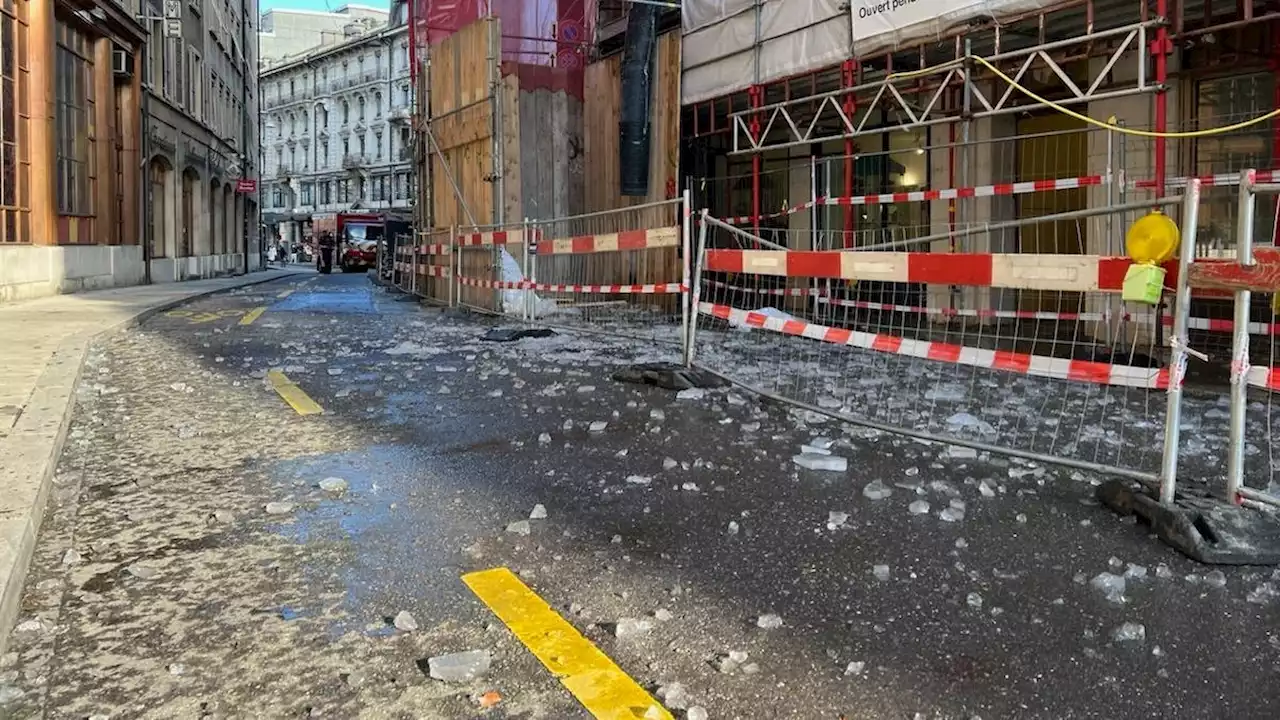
[957,335]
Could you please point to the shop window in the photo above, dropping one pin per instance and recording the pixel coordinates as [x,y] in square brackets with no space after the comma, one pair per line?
[15,153]
[74,99]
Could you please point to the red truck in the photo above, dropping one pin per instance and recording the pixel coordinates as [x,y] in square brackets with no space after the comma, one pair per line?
[351,239]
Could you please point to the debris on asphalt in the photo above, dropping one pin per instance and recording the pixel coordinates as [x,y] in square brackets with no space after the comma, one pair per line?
[836,520]
[459,667]
[71,557]
[405,622]
[733,528]
[520,527]
[1215,578]
[919,507]
[974,600]
[142,572]
[279,508]
[663,615]
[769,622]
[691,394]
[855,668]
[881,572]
[731,661]
[876,490]
[631,628]
[674,695]
[489,699]
[539,512]
[639,479]
[598,426]
[335,485]
[696,713]
[1111,586]
[1130,632]
[827,463]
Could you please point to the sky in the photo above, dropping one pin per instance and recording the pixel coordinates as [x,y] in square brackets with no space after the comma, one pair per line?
[265,5]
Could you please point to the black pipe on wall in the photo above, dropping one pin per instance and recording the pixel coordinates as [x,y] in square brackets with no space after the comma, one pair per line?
[637,80]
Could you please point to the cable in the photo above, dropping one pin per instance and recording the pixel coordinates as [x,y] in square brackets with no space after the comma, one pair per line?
[1126,131]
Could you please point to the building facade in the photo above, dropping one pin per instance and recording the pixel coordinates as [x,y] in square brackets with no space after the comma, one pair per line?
[283,33]
[70,129]
[201,141]
[336,131]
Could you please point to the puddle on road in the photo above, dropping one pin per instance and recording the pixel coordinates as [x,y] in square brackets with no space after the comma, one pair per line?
[393,545]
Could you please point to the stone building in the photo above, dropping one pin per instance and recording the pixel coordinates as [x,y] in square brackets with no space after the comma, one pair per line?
[336,131]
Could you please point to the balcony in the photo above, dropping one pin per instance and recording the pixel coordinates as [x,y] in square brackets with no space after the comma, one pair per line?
[352,161]
[400,114]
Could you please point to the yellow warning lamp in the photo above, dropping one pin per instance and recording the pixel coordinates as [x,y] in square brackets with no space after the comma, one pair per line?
[1150,242]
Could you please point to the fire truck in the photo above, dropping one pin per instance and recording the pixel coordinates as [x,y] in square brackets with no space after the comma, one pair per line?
[350,239]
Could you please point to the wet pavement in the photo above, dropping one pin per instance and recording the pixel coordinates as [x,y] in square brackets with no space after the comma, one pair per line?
[165,587]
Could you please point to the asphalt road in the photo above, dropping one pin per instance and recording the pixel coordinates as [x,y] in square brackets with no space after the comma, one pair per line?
[163,588]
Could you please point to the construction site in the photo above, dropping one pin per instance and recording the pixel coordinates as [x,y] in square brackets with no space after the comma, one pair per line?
[927,219]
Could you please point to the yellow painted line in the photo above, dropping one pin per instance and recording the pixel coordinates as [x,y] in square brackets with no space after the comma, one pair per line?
[292,394]
[252,315]
[601,686]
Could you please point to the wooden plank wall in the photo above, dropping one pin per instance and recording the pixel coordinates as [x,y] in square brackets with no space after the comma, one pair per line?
[601,108]
[603,93]
[462,70]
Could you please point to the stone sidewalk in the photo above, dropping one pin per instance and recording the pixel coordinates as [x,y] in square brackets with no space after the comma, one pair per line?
[42,347]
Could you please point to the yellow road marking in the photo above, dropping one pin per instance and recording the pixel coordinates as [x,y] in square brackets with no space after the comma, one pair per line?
[601,686]
[292,394]
[252,315]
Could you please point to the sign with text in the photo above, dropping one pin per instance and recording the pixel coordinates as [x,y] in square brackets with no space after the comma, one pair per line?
[245,186]
[880,24]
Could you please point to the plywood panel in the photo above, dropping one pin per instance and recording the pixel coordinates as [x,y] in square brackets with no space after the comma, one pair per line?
[603,93]
[462,122]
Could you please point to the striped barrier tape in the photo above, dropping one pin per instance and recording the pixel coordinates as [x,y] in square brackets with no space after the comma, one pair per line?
[1001,189]
[652,289]
[499,237]
[612,242]
[1264,377]
[1219,180]
[1209,324]
[436,249]
[1014,362]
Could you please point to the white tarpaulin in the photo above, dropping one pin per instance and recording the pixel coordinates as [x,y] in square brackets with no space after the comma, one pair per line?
[730,45]
[733,44]
[886,24]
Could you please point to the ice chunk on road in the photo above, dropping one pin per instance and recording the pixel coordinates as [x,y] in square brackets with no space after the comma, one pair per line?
[459,667]
[829,463]
[539,512]
[733,528]
[952,514]
[520,527]
[876,490]
[812,450]
[1110,585]
[278,508]
[974,600]
[769,622]
[335,485]
[1129,632]
[405,622]
[961,421]
[628,628]
[919,507]
[836,519]
[544,439]
[639,479]
[855,668]
[696,713]
[691,394]
[1135,572]
[669,464]
[881,572]
[986,490]
[598,426]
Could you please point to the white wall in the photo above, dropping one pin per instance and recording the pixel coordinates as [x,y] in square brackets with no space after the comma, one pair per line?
[30,271]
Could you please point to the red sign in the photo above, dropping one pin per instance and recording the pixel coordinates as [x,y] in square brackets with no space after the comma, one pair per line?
[246,186]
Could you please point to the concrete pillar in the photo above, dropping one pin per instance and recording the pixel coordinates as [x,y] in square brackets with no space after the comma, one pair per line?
[41,31]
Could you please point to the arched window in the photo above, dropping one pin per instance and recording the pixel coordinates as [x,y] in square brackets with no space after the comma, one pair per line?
[346,112]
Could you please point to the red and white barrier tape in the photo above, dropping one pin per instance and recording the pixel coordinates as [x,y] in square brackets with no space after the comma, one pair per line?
[654,289]
[612,242]
[1018,188]
[1210,324]
[500,237]
[1264,377]
[1219,180]
[1076,273]
[436,249]
[1014,362]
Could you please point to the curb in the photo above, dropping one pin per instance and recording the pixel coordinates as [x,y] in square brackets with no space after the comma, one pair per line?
[29,469]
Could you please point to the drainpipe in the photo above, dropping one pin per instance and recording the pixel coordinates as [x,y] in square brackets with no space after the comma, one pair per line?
[148,202]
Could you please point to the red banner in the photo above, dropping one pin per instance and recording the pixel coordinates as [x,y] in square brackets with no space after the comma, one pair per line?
[246,186]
